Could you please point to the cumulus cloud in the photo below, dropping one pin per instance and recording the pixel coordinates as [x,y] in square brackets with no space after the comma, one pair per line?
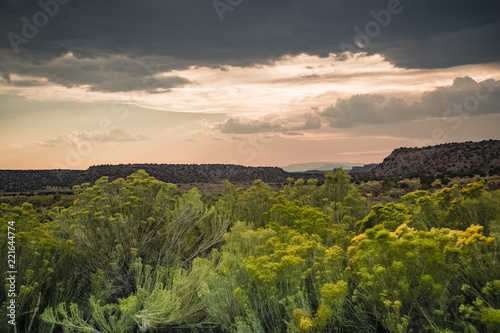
[236,125]
[464,98]
[246,126]
[75,139]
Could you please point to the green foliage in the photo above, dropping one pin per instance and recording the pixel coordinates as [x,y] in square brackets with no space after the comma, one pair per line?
[391,216]
[253,205]
[454,208]
[306,219]
[426,180]
[136,255]
[163,298]
[45,266]
[266,276]
[411,277]
[111,224]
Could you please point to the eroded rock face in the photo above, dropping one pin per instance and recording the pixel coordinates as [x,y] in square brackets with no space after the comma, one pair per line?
[459,158]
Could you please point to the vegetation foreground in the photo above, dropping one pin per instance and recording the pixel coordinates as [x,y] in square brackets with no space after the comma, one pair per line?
[136,255]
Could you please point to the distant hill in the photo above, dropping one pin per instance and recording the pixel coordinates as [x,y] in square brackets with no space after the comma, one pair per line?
[452,159]
[359,171]
[35,180]
[319,166]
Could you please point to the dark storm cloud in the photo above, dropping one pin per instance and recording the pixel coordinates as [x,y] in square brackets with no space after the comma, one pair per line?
[110,74]
[179,33]
[465,98]
[27,83]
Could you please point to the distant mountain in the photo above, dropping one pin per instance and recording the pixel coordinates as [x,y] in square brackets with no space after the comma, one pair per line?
[33,180]
[453,159]
[319,166]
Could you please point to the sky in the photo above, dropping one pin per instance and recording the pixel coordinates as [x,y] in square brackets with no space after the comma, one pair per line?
[248,82]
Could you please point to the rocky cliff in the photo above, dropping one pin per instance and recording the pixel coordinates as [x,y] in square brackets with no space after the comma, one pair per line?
[450,158]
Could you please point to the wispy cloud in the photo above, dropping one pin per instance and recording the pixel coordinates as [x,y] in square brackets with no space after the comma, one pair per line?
[74,139]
